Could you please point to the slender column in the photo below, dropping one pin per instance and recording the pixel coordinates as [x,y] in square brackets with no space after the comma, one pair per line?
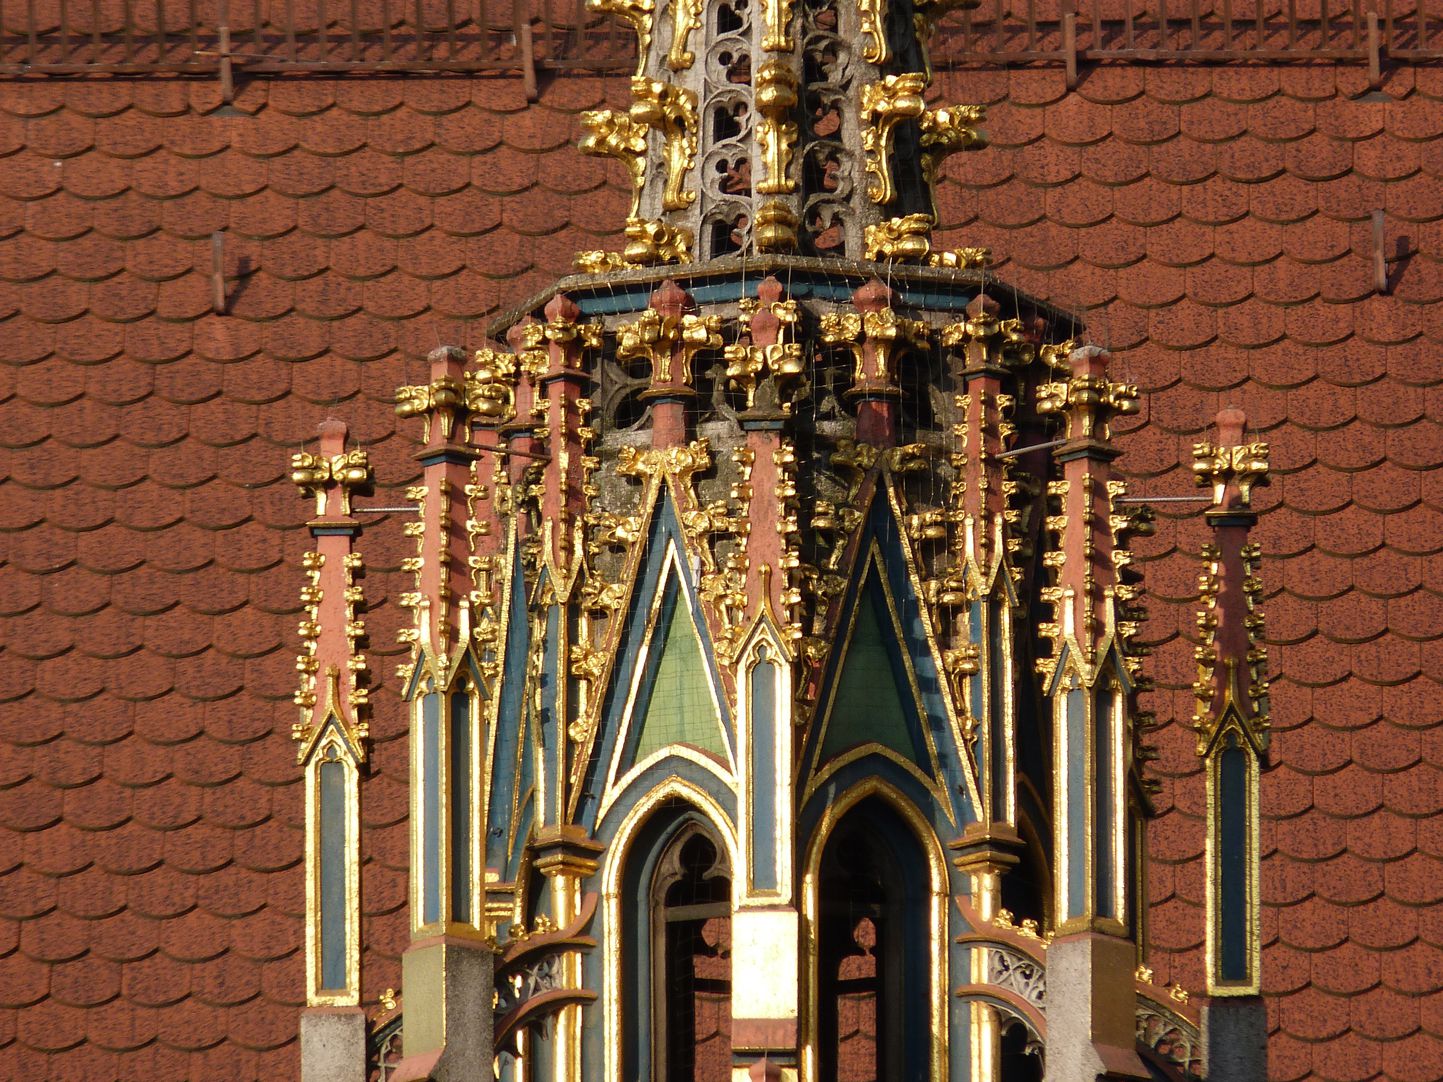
[1232,726]
[564,855]
[446,971]
[332,734]
[766,926]
[981,581]
[984,855]
[1093,956]
[978,589]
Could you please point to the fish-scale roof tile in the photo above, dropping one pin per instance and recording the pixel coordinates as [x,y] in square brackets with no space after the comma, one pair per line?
[358,227]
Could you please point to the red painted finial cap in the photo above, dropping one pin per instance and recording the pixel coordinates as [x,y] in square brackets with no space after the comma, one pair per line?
[1231,423]
[333,436]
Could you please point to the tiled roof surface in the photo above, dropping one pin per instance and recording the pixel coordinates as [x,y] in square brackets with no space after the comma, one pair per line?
[1212,223]
[1214,227]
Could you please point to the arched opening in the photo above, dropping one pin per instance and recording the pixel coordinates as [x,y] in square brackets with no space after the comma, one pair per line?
[1020,1060]
[691,981]
[677,978]
[873,934]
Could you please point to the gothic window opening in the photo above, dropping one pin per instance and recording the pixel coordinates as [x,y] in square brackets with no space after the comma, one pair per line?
[1020,1060]
[690,905]
[872,951]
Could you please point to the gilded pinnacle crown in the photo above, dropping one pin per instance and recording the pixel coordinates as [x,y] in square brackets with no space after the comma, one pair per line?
[780,128]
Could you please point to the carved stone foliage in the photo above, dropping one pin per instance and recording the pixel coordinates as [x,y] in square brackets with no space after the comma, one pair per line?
[1172,1037]
[828,166]
[1014,971]
[727,131]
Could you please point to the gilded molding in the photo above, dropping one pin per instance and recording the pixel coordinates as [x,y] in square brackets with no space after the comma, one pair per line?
[636,12]
[884,105]
[686,19]
[412,599]
[872,15]
[306,662]
[612,134]
[1252,667]
[671,110]
[776,98]
[778,16]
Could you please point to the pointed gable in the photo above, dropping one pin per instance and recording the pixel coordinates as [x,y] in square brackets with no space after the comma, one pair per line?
[675,704]
[874,701]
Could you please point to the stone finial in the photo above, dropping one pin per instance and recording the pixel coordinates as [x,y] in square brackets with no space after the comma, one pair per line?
[443,400]
[1087,400]
[1232,467]
[331,475]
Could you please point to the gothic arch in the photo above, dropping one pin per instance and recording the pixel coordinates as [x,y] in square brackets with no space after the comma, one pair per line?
[654,828]
[930,902]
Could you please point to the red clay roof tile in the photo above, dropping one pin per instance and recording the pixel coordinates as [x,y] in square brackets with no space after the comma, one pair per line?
[378,132]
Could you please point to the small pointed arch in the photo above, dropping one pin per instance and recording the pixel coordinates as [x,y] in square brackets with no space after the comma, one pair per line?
[1027,885]
[875,904]
[668,894]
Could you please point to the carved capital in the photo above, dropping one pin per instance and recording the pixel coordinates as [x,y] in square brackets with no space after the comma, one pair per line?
[667,339]
[876,335]
[1087,400]
[333,470]
[1231,467]
[769,324]
[443,400]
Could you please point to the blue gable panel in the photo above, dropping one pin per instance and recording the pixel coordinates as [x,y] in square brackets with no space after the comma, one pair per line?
[882,529]
[664,529]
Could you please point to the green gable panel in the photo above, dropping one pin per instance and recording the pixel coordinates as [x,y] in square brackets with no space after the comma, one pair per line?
[867,706]
[679,708]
